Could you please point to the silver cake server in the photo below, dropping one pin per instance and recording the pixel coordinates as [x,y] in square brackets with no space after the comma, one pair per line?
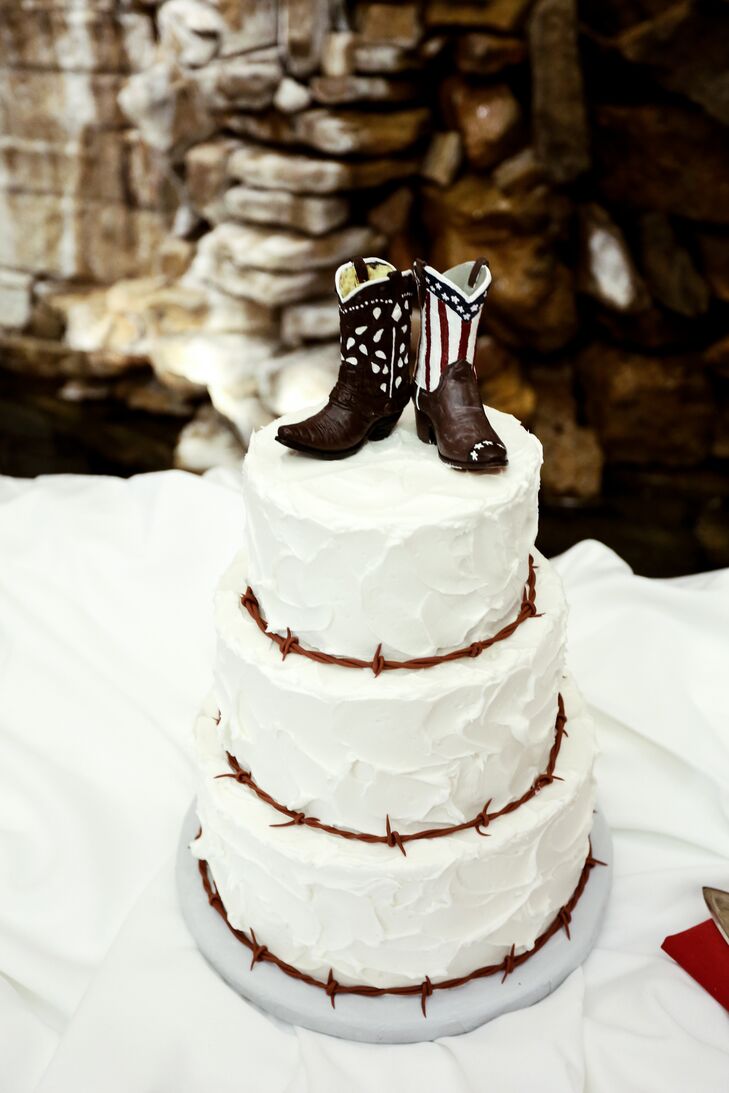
[718,903]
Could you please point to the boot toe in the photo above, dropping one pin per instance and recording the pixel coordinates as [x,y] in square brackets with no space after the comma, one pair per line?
[488,454]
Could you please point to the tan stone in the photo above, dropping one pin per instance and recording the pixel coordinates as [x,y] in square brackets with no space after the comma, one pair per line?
[489,118]
[383,57]
[16,299]
[342,90]
[57,106]
[133,314]
[443,158]
[391,215]
[52,360]
[145,393]
[573,458]
[488,54]
[291,96]
[90,167]
[64,237]
[102,165]
[174,257]
[396,23]
[501,380]
[502,15]
[274,169]
[315,321]
[337,54]
[607,271]
[249,24]
[190,31]
[531,301]
[520,174]
[206,442]
[300,378]
[302,27]
[248,82]
[648,409]
[216,361]
[168,108]
[249,247]
[338,132]
[78,39]
[149,182]
[206,177]
[213,265]
[304,212]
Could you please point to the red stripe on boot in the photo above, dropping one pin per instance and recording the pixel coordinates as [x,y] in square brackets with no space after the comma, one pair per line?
[425,313]
[463,341]
[443,317]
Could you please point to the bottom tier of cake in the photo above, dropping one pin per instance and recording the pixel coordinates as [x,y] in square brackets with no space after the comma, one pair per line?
[371,915]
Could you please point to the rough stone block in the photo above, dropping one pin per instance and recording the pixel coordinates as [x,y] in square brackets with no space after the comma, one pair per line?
[343,90]
[489,119]
[57,106]
[342,132]
[648,409]
[270,168]
[304,212]
[443,158]
[78,39]
[302,27]
[504,15]
[315,321]
[488,54]
[395,23]
[249,247]
[66,237]
[16,299]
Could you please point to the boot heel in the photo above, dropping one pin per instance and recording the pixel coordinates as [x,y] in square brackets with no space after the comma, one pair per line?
[383,428]
[424,428]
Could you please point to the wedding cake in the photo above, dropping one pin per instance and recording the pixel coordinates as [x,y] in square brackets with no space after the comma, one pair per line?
[396,773]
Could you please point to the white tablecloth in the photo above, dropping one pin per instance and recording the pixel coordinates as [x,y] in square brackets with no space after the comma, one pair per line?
[106,645]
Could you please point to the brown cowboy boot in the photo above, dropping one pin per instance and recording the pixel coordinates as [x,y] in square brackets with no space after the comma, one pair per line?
[373,387]
[448,407]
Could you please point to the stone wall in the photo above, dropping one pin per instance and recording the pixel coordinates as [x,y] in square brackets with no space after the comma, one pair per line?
[179,180]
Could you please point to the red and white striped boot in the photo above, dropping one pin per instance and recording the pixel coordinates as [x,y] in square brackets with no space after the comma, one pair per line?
[448,407]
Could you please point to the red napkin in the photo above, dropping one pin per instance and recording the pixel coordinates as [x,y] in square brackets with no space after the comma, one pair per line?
[704,954]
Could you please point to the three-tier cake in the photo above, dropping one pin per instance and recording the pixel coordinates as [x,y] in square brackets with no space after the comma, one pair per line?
[396,789]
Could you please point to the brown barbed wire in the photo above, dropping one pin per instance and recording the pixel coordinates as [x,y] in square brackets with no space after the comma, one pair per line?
[393,838]
[331,987]
[378,664]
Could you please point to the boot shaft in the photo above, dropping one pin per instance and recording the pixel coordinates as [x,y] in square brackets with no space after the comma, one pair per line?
[375,312]
[450,309]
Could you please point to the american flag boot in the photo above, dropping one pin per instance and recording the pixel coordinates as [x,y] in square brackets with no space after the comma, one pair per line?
[448,407]
[373,387]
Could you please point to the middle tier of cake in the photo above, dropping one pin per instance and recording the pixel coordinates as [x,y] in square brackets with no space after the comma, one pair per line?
[424,747]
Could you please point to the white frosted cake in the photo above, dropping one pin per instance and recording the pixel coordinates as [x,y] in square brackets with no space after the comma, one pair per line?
[408,794]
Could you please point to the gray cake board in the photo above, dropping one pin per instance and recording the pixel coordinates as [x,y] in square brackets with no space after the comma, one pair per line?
[391,1019]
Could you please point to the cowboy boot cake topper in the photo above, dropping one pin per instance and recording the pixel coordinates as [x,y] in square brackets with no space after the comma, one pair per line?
[448,407]
[373,386]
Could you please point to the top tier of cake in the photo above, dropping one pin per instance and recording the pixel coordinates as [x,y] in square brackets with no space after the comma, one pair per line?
[389,546]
